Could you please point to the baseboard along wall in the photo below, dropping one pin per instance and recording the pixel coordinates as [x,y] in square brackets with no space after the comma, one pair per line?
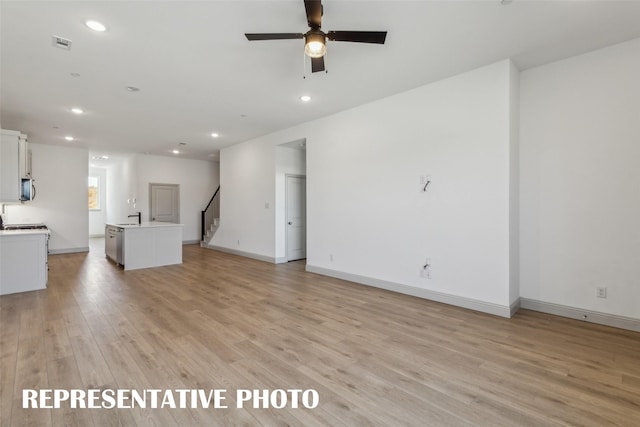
[613,320]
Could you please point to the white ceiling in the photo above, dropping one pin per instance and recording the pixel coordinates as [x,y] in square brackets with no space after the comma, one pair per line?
[198,74]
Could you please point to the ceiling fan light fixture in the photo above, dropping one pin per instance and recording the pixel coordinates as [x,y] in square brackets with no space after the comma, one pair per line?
[315,45]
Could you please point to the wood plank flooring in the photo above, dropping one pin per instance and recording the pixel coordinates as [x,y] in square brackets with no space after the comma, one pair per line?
[220,321]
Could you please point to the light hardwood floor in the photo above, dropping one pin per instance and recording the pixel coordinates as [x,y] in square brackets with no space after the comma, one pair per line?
[220,321]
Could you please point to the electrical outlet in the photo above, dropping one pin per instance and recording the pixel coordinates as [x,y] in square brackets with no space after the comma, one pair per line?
[601,292]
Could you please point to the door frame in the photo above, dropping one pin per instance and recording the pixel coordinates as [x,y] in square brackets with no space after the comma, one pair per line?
[151,184]
[286,212]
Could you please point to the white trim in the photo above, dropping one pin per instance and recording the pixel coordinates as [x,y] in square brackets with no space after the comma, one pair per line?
[191,242]
[95,236]
[580,314]
[281,260]
[251,255]
[515,306]
[68,250]
[472,304]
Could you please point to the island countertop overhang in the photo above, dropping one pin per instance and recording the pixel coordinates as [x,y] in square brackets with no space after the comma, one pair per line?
[145,224]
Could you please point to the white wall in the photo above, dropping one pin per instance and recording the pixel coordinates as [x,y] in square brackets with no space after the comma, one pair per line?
[60,175]
[289,161]
[580,181]
[247,182]
[121,189]
[514,185]
[198,180]
[364,204]
[98,218]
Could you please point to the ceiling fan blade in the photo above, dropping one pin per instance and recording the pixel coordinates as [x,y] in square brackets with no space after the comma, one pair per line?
[273,36]
[377,37]
[317,64]
[314,13]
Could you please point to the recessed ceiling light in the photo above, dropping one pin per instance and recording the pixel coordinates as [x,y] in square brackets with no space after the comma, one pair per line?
[133,89]
[176,152]
[215,135]
[68,138]
[95,25]
[75,74]
[77,110]
[305,98]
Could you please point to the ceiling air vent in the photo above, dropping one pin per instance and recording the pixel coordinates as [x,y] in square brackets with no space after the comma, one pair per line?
[61,42]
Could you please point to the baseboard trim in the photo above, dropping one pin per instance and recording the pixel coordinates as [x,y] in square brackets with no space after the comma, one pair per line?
[68,250]
[95,236]
[251,255]
[613,320]
[472,304]
[281,260]
[514,307]
[191,242]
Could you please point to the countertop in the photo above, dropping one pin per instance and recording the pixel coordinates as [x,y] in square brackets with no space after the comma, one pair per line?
[146,224]
[23,232]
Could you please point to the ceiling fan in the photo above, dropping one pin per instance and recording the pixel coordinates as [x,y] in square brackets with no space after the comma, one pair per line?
[315,40]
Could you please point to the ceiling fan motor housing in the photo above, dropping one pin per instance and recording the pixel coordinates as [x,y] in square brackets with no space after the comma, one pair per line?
[315,44]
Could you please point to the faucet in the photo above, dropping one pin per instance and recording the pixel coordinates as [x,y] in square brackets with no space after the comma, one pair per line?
[139,215]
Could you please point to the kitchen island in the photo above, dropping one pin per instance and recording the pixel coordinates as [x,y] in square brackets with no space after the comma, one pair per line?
[23,260]
[145,245]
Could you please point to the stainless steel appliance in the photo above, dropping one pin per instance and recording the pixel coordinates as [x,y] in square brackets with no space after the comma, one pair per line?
[113,243]
[10,227]
[27,190]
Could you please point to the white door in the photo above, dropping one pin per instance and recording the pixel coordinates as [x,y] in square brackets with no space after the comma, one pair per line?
[296,217]
[165,202]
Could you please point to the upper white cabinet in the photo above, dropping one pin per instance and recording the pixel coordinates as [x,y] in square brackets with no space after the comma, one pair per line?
[24,157]
[15,164]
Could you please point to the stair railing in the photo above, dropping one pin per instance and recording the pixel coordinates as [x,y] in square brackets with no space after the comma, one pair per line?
[210,212]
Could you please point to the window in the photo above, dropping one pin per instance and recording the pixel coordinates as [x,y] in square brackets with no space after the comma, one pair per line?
[94,193]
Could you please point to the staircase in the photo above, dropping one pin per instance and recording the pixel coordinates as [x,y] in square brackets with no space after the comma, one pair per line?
[210,218]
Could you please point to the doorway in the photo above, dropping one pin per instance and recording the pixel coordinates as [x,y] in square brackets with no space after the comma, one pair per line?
[164,201]
[296,217]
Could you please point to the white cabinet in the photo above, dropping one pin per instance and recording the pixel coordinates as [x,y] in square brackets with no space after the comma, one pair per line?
[23,261]
[24,158]
[15,164]
[151,244]
[10,166]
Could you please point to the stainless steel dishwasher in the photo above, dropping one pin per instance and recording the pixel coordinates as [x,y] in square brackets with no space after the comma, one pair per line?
[113,243]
